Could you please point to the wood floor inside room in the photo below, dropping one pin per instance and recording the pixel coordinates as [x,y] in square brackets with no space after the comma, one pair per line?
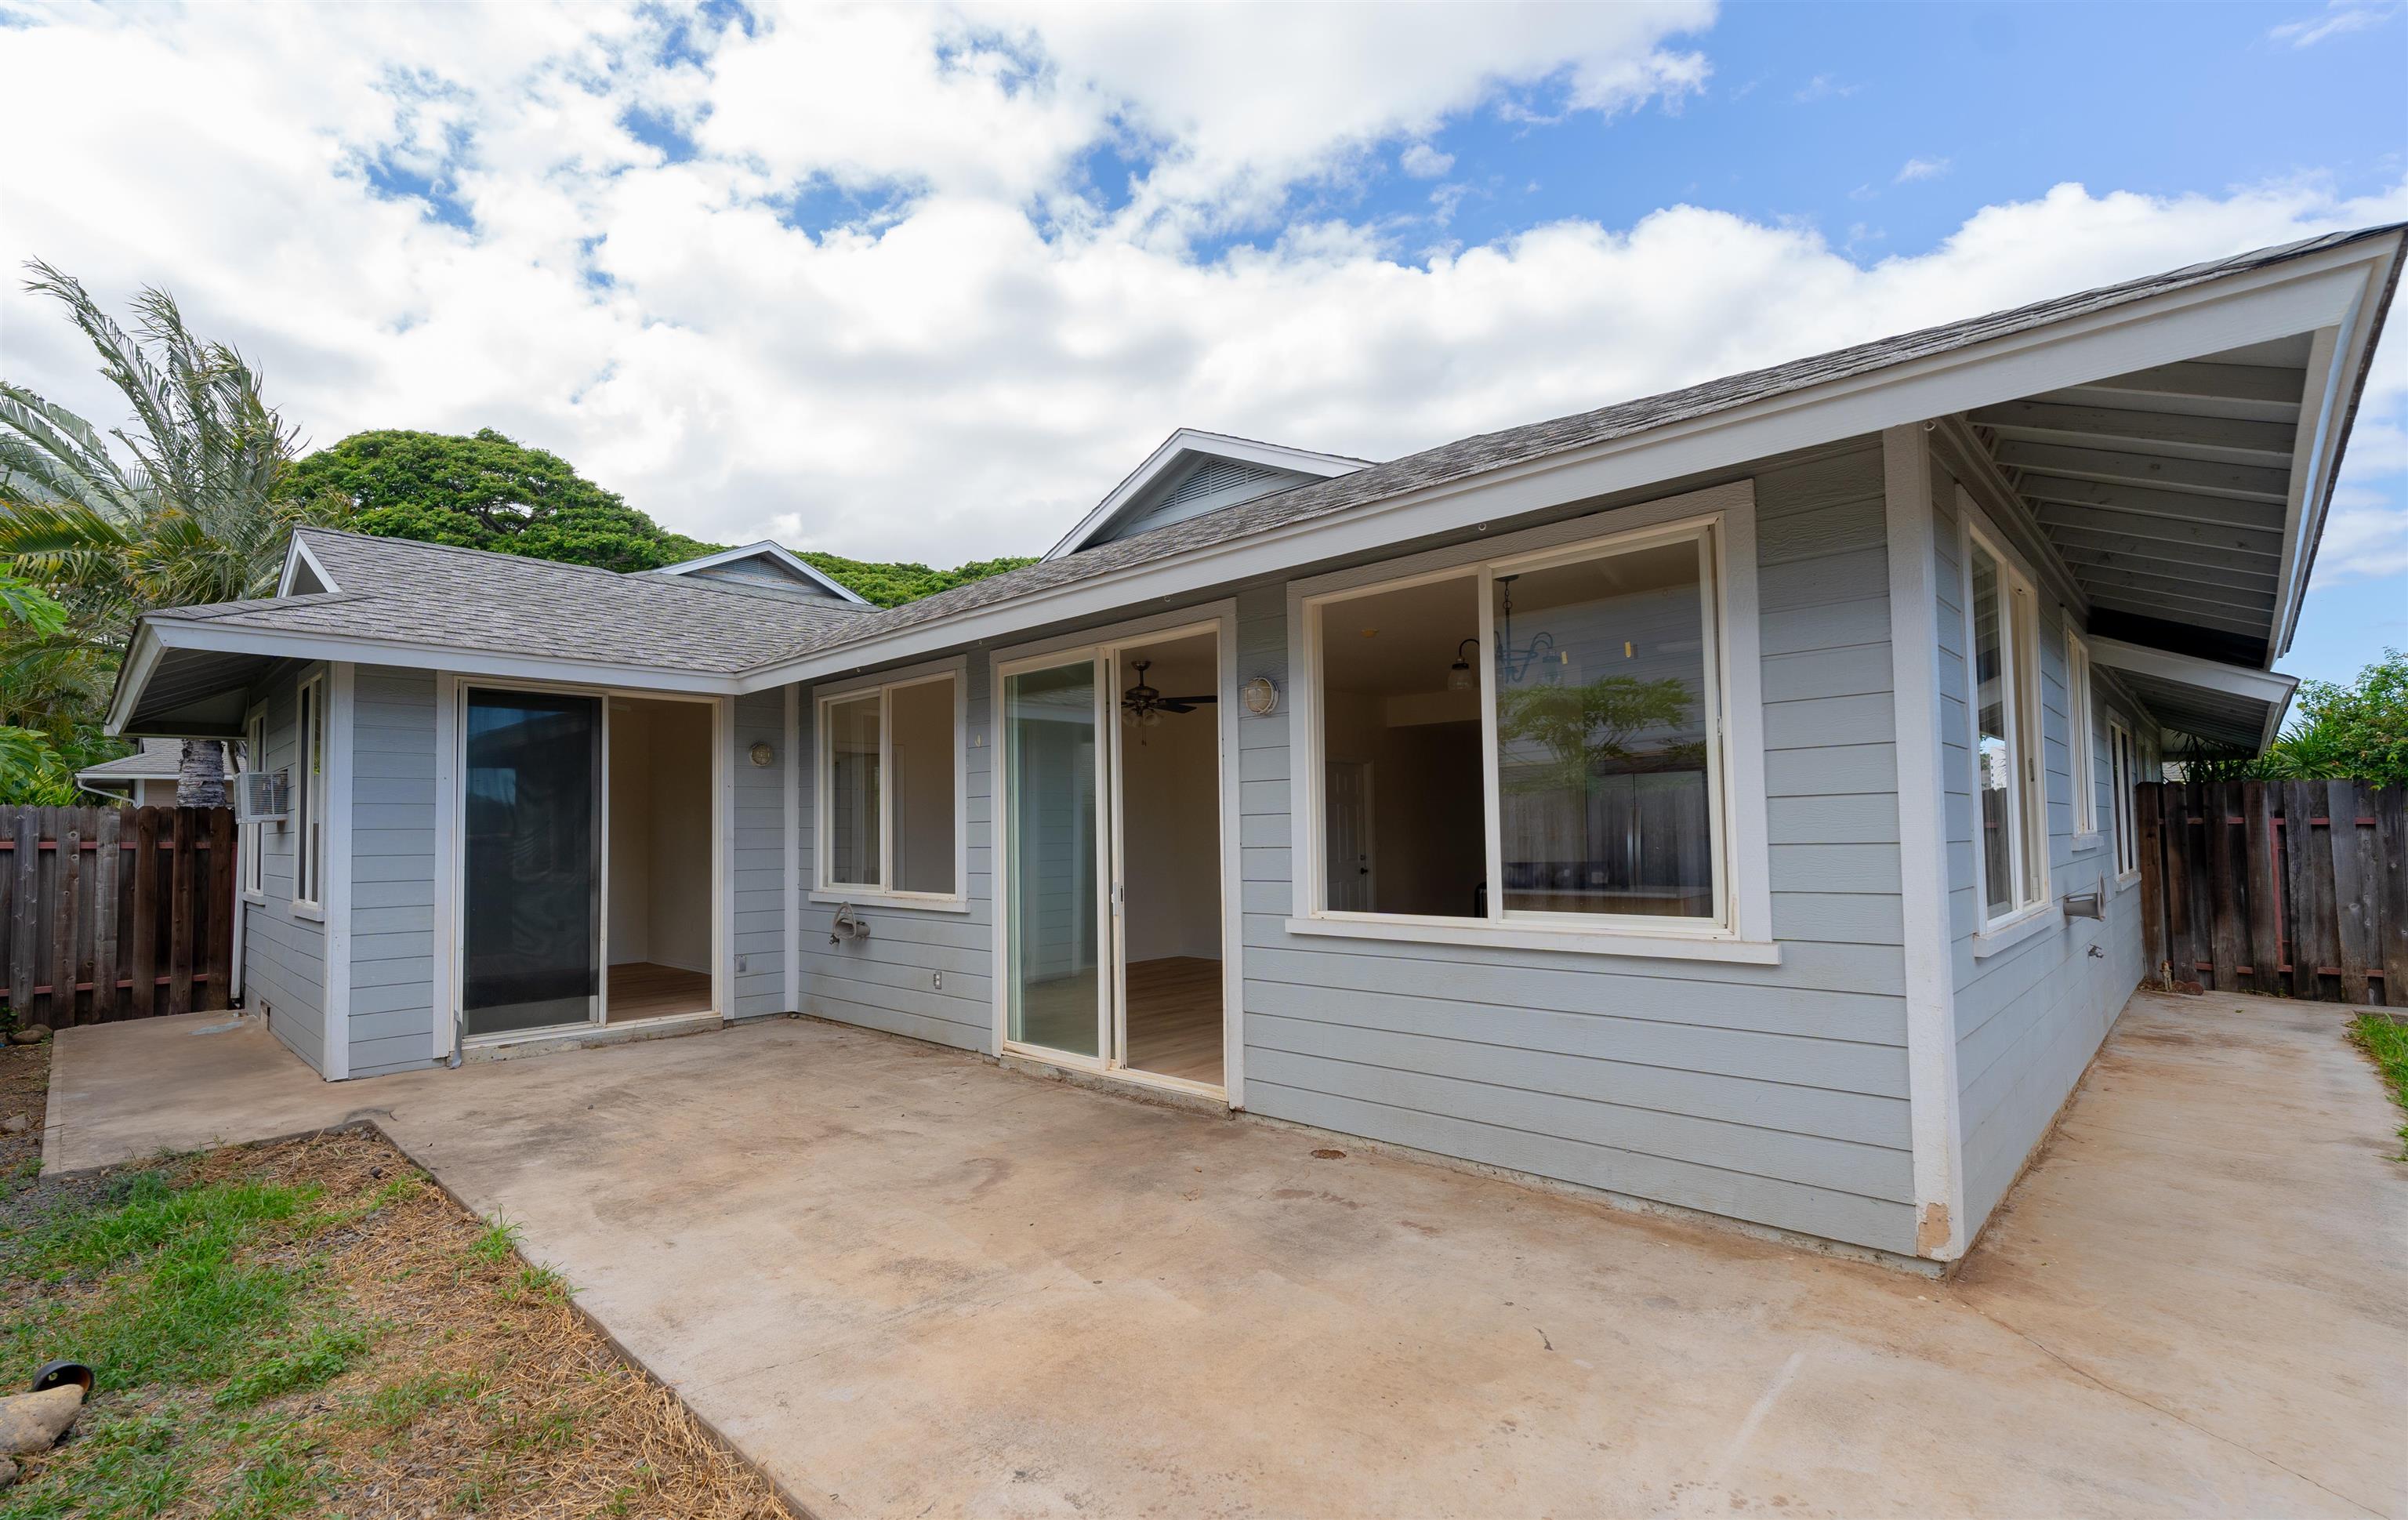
[646,990]
[1174,1018]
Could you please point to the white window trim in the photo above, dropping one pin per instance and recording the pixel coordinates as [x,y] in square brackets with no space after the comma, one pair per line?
[2081,750]
[2123,774]
[2022,700]
[255,849]
[823,889]
[310,795]
[1724,515]
[2014,930]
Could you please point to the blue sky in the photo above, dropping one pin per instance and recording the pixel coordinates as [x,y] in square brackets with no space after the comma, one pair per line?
[925,282]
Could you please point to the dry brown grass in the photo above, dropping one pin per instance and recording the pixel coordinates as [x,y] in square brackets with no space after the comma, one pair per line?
[481,1388]
[487,1389]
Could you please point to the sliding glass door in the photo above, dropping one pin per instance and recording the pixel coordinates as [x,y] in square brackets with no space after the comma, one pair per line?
[1052,734]
[532,907]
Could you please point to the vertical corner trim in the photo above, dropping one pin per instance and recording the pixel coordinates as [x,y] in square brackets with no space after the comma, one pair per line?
[1933,1102]
[446,992]
[790,783]
[340,746]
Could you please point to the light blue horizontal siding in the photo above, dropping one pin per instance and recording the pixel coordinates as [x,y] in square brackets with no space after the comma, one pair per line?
[756,864]
[1771,1093]
[2030,1018]
[889,980]
[392,1010]
[283,955]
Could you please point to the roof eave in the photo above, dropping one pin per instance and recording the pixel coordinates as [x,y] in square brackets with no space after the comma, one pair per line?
[2302,293]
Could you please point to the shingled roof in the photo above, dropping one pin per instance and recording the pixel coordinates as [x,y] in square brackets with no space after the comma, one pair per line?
[1476,455]
[449,598]
[444,597]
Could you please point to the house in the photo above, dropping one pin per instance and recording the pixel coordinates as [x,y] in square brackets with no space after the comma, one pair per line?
[146,778]
[1719,800]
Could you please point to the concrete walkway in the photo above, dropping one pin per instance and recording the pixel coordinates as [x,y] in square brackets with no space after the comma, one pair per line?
[908,1282]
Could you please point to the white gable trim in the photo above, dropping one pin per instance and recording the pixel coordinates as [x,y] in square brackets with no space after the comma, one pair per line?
[296,554]
[1188,440]
[766,549]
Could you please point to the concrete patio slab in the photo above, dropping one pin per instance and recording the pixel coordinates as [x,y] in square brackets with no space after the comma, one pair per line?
[907,1283]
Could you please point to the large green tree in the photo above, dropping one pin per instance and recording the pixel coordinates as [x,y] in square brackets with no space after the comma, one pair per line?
[483,492]
[187,507]
[892,584]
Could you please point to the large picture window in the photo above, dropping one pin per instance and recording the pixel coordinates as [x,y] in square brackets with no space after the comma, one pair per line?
[1530,739]
[889,792]
[310,794]
[2002,621]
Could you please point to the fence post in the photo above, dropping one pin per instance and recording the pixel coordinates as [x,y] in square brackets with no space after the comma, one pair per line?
[106,872]
[2217,801]
[2353,940]
[2258,859]
[24,913]
[144,973]
[219,927]
[62,1012]
[180,934]
[2149,806]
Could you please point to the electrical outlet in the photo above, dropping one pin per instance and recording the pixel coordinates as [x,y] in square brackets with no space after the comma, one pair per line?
[939,976]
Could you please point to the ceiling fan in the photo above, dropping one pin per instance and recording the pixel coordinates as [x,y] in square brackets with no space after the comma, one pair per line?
[1143,706]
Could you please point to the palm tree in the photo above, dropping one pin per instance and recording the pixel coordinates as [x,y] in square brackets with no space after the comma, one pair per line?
[194,516]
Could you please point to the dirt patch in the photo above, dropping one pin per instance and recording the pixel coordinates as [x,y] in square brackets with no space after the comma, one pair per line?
[424,1368]
[25,1092]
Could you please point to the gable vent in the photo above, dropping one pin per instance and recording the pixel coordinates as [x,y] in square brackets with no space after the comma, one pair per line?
[1213,475]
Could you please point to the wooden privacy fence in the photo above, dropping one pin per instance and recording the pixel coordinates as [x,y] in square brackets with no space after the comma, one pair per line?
[115,913]
[2296,888]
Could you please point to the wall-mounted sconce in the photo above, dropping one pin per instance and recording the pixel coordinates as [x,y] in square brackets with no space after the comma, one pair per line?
[761,754]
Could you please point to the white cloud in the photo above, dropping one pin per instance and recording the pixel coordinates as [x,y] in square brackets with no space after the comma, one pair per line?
[1921,168]
[2341,17]
[1824,87]
[1423,161]
[967,371]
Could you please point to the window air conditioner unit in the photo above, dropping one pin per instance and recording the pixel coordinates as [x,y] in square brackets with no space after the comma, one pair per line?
[260,796]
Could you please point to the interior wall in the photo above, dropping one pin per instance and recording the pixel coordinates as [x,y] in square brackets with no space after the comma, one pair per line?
[629,898]
[1170,818]
[660,833]
[1429,848]
[922,798]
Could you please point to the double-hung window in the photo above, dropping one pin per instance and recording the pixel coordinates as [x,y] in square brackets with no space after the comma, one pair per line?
[255,841]
[2081,748]
[2011,821]
[890,789]
[1537,739]
[2124,773]
[309,794]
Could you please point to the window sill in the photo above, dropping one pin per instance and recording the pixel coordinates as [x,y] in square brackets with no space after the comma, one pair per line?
[2083,843]
[924,902]
[1531,937]
[256,899]
[310,910]
[2015,931]
[2127,882]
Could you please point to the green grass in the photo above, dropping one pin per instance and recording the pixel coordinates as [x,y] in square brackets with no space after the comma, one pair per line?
[199,1305]
[2386,1039]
